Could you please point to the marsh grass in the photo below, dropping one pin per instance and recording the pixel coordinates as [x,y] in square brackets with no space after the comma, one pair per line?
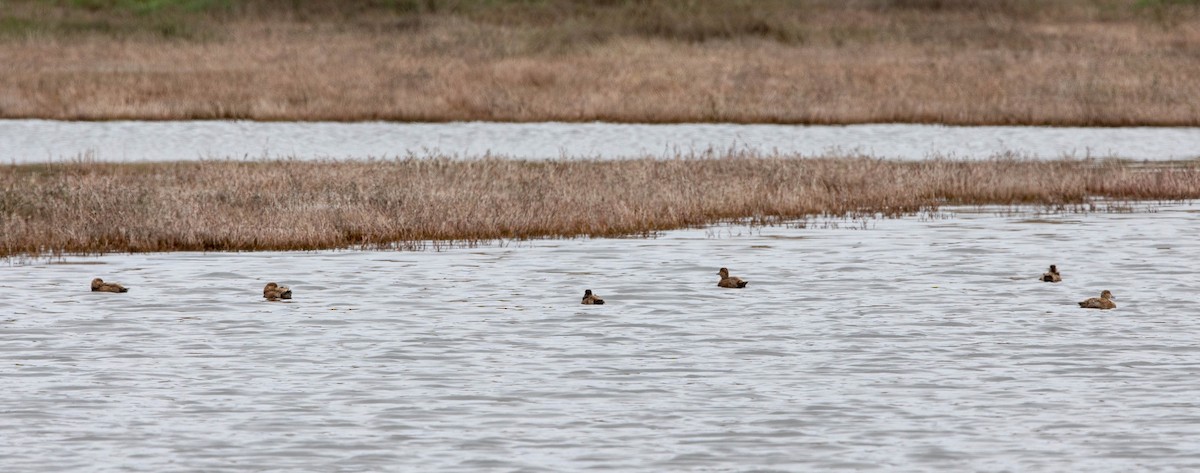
[1069,62]
[89,208]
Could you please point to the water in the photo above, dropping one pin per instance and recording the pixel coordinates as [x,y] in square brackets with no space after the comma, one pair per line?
[40,140]
[922,343]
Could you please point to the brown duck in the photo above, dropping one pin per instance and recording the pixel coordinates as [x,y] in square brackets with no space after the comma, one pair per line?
[1052,275]
[98,285]
[590,299]
[1102,302]
[274,292]
[730,281]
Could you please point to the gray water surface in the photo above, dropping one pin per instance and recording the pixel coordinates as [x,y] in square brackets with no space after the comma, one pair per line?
[41,140]
[917,344]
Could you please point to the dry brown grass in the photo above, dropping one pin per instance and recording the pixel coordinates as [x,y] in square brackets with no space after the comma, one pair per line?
[1071,62]
[51,209]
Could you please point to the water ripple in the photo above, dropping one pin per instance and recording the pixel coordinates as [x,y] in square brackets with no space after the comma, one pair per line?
[917,345]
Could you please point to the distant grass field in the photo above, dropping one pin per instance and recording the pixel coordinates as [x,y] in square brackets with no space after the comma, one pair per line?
[1068,62]
[54,209]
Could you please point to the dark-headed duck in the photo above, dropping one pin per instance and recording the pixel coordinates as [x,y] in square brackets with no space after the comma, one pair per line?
[590,299]
[730,281]
[98,285]
[1052,275]
[274,292]
[1102,302]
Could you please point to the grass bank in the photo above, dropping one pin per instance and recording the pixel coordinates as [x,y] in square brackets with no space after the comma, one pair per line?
[52,209]
[969,62]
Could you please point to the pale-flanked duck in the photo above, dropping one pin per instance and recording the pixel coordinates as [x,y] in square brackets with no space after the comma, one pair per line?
[1102,302]
[274,292]
[590,299]
[98,285]
[1052,275]
[730,281]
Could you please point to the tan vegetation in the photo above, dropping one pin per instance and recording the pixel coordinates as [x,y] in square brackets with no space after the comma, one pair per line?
[51,209]
[1068,62]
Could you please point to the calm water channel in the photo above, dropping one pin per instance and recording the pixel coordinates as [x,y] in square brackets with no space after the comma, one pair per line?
[40,140]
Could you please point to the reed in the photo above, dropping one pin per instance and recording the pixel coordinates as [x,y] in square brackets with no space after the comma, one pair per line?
[91,208]
[971,62]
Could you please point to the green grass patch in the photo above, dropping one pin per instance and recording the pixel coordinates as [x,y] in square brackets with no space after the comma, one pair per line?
[158,19]
[146,7]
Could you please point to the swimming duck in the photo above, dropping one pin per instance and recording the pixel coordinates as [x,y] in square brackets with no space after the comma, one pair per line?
[274,292]
[589,298]
[1052,275]
[98,285]
[730,281]
[1102,302]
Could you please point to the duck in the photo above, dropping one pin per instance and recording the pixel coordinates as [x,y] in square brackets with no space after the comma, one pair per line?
[98,285]
[730,281]
[590,299]
[274,292]
[1102,302]
[1052,275]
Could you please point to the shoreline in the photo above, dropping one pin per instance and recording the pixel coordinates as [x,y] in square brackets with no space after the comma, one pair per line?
[1027,212]
[97,208]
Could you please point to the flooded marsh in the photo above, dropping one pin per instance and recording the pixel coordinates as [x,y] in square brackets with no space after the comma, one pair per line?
[364,235]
